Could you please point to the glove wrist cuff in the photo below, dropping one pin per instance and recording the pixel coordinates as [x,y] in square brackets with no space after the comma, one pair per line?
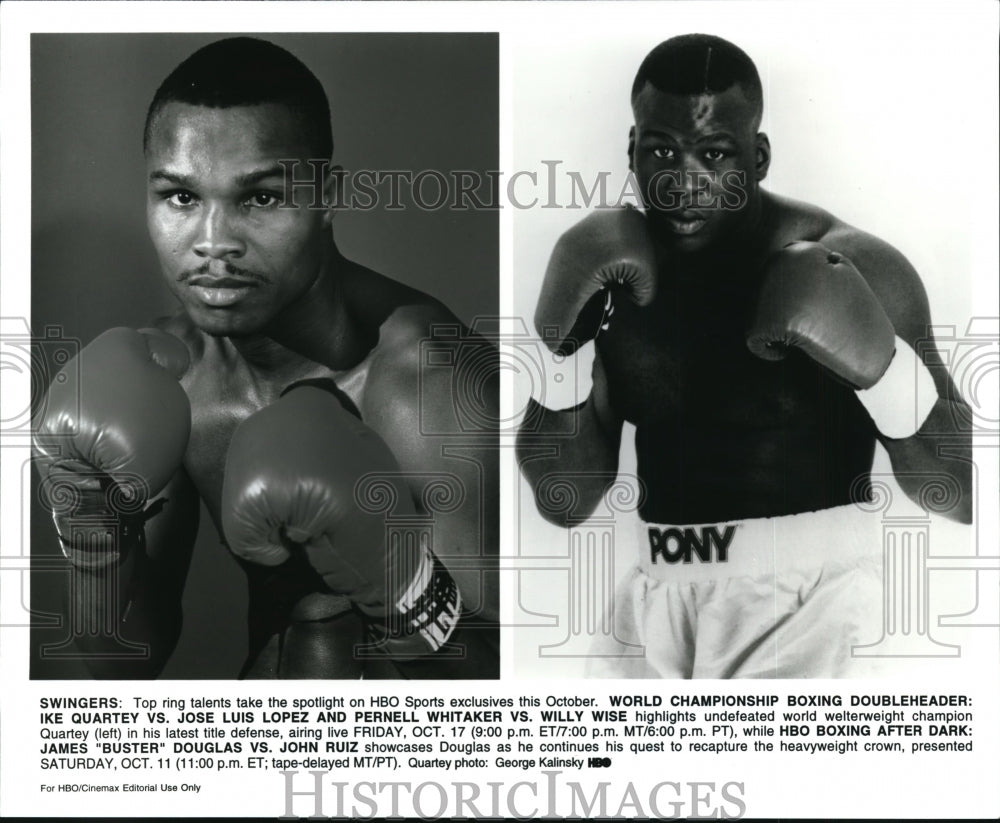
[97,542]
[903,397]
[98,526]
[425,613]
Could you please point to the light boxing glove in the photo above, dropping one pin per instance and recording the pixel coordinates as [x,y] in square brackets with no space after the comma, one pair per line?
[814,299]
[112,432]
[292,477]
[609,249]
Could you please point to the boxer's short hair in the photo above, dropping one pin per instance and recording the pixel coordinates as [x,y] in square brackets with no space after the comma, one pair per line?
[246,71]
[699,64]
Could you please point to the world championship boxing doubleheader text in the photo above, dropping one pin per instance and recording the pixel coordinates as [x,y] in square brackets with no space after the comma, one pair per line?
[525,755]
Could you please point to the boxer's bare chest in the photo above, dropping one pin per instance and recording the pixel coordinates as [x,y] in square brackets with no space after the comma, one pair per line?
[684,359]
[720,433]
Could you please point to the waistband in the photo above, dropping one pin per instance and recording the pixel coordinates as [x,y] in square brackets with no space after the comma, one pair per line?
[759,546]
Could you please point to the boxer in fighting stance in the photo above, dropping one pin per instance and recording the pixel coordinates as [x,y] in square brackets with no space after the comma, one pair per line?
[287,393]
[760,346]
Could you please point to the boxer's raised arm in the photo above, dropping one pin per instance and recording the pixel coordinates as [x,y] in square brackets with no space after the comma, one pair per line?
[139,600]
[437,400]
[394,502]
[942,445]
[857,307]
[111,437]
[606,256]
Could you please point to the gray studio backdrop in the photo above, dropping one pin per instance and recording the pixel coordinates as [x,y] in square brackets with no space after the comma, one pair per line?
[398,101]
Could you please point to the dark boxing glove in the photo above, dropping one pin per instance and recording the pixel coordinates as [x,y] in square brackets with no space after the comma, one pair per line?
[609,249]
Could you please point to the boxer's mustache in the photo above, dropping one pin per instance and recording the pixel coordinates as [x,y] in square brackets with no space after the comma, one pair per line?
[205,270]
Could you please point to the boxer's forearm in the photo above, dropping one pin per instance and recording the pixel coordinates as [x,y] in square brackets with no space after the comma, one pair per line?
[934,466]
[467,540]
[124,627]
[569,446]
[138,600]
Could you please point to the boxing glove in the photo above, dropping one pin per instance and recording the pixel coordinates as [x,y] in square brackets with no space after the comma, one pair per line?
[815,300]
[292,480]
[112,432]
[609,249]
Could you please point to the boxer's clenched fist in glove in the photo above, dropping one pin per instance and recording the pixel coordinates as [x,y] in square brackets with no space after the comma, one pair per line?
[292,473]
[816,300]
[608,249]
[115,415]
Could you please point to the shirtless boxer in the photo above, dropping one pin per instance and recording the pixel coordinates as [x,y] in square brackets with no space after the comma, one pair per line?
[288,383]
[760,346]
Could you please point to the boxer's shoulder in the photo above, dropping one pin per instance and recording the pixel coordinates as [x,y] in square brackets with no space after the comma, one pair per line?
[414,378]
[874,257]
[374,299]
[400,366]
[889,274]
[411,325]
[397,317]
[793,220]
[886,270]
[789,220]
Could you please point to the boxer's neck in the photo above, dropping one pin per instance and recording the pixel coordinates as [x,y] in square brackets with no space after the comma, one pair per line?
[317,328]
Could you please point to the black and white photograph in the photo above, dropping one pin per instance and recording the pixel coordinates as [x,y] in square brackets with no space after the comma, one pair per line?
[539,410]
[251,242]
[753,281]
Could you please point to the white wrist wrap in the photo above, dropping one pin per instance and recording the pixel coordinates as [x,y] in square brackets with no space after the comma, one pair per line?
[563,382]
[901,400]
[425,613]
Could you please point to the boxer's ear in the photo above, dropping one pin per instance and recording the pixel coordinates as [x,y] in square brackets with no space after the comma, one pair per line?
[631,149]
[762,156]
[333,193]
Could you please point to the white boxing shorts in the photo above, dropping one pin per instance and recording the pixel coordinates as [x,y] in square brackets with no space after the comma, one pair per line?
[778,597]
